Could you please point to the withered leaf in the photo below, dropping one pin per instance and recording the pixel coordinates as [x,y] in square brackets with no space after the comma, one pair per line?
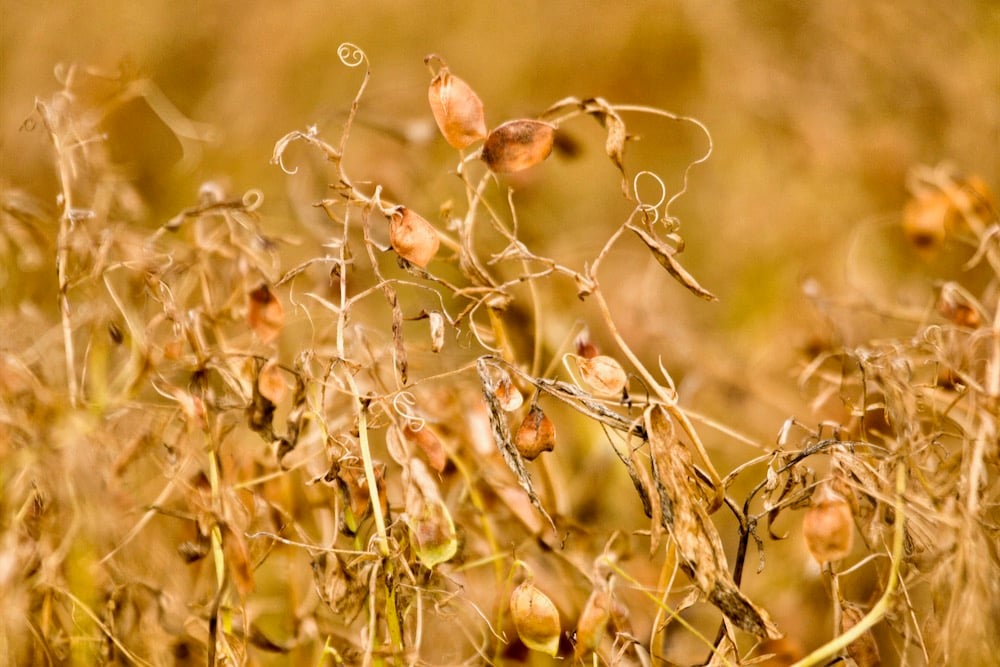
[685,518]
[664,256]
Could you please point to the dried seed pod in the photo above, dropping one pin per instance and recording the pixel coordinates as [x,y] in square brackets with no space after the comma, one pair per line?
[926,220]
[429,443]
[603,374]
[593,622]
[828,526]
[437,330]
[271,382]
[536,618]
[584,346]
[864,649]
[457,109]
[508,396]
[413,238]
[265,314]
[535,435]
[517,145]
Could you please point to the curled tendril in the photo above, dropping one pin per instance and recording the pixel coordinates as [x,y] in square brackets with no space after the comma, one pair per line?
[401,403]
[351,54]
[650,212]
[252,199]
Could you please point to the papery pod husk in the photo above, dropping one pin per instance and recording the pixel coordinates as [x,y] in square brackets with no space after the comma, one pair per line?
[429,443]
[265,314]
[457,109]
[593,622]
[828,526]
[535,435]
[271,382]
[536,618]
[603,374]
[432,533]
[412,237]
[507,394]
[517,145]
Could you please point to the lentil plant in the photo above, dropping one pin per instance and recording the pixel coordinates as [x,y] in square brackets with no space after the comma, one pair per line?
[212,456]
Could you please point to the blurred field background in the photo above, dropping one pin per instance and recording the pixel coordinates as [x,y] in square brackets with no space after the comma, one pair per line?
[818,111]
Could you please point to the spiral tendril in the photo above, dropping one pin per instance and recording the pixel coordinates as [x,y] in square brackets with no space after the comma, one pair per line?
[351,54]
[408,401]
[650,212]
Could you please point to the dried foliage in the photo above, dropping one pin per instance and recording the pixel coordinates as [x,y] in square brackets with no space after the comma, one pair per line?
[212,457]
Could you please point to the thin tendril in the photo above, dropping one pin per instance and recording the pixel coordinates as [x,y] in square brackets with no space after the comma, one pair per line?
[351,55]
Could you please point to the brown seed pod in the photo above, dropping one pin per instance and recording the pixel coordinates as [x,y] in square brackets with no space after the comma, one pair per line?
[517,145]
[593,622]
[535,435]
[265,314]
[271,382]
[536,618]
[413,238]
[603,374]
[926,220]
[828,526]
[457,109]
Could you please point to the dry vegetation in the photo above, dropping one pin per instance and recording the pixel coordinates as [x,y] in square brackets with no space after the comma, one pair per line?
[401,428]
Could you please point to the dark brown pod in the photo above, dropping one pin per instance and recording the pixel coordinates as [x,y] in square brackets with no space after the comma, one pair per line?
[535,435]
[517,145]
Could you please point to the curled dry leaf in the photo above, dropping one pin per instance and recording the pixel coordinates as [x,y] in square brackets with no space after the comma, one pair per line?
[535,435]
[271,382]
[413,238]
[664,254]
[265,314]
[536,618]
[828,526]
[457,109]
[517,145]
[699,545]
[603,374]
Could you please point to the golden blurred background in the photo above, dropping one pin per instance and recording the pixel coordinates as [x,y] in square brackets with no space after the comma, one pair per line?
[817,109]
